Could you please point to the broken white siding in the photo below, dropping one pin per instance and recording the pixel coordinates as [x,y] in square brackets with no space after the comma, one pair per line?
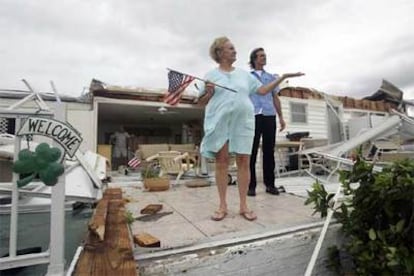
[83,120]
[317,123]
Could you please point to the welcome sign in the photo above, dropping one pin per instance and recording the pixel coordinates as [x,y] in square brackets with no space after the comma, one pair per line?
[62,133]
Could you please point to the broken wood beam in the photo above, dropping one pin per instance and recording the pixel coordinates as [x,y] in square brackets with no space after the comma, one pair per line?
[98,221]
[114,254]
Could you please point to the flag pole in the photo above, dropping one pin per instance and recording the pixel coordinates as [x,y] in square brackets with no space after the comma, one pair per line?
[197,78]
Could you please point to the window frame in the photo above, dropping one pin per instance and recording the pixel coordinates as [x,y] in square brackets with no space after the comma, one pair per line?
[293,113]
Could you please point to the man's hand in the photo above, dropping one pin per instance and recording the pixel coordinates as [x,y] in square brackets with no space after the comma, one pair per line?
[282,124]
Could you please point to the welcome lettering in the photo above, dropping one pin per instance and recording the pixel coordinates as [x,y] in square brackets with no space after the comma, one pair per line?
[62,133]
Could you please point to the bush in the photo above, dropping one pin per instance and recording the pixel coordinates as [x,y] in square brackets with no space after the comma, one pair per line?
[377,216]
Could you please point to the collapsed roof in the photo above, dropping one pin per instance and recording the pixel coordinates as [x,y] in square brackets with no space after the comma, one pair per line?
[387,92]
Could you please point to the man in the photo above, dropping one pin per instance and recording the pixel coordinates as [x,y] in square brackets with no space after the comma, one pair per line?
[120,141]
[265,109]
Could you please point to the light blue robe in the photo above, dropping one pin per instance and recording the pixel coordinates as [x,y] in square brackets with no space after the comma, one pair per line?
[229,116]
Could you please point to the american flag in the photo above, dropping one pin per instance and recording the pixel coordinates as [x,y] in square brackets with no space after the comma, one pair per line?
[177,82]
[134,162]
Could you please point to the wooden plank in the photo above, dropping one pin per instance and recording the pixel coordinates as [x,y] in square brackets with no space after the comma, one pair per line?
[146,240]
[113,193]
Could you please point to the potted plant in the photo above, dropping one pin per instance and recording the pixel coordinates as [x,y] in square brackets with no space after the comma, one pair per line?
[153,182]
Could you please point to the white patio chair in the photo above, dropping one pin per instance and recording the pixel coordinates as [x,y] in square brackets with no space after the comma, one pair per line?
[171,162]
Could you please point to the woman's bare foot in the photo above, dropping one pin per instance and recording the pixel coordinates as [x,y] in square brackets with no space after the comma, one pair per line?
[219,215]
[248,215]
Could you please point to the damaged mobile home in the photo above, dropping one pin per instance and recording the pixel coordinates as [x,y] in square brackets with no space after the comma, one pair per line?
[143,114]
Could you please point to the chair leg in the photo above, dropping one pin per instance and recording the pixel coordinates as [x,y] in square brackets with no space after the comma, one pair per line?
[161,173]
[178,178]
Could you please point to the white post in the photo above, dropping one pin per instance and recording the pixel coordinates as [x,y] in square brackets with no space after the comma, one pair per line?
[57,218]
[203,165]
[321,238]
[15,197]
[57,229]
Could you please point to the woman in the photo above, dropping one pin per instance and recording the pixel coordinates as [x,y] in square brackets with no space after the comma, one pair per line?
[229,121]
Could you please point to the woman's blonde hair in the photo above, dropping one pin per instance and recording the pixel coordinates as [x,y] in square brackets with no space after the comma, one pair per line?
[216,46]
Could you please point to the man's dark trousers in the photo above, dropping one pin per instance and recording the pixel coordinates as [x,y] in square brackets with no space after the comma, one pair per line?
[265,127]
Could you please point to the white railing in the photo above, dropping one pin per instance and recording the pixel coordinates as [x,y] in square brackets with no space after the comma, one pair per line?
[55,255]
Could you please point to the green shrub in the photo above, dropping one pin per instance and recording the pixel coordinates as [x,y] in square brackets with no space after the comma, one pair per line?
[377,216]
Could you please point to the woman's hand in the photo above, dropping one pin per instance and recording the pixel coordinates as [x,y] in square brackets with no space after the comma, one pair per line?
[208,93]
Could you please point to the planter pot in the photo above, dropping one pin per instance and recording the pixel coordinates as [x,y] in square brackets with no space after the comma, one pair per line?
[157,184]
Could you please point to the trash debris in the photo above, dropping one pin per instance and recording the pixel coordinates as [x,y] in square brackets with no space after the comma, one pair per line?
[198,183]
[151,209]
[153,217]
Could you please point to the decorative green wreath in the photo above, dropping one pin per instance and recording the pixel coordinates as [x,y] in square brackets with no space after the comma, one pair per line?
[42,163]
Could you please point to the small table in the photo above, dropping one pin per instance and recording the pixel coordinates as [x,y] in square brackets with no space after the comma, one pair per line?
[288,144]
[292,146]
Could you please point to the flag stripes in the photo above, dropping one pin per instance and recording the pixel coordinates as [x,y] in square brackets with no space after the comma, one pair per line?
[134,162]
[177,82]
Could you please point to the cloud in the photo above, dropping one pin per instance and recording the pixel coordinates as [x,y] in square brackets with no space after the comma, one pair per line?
[344,48]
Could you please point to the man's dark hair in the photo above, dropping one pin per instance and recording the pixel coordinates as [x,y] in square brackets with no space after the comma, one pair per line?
[253,56]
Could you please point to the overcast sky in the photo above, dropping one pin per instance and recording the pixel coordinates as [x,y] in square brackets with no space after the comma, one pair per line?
[344,47]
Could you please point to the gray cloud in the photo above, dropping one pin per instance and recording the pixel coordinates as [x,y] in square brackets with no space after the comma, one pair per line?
[344,47]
